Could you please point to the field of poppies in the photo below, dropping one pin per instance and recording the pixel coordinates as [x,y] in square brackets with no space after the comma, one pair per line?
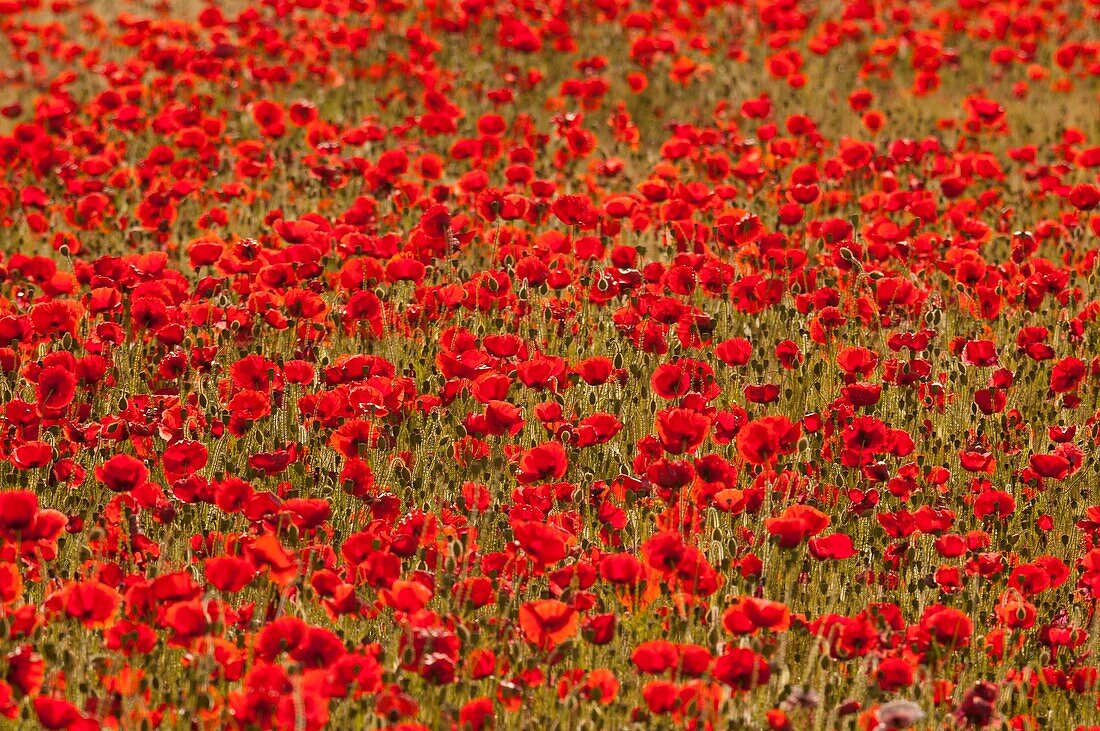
[538,364]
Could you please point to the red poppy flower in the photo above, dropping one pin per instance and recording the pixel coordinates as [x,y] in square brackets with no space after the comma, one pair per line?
[547,622]
[58,713]
[548,461]
[894,674]
[948,626]
[56,388]
[185,457]
[837,546]
[762,440]
[92,602]
[229,573]
[546,544]
[741,669]
[17,510]
[797,523]
[1066,375]
[681,430]
[122,473]
[734,352]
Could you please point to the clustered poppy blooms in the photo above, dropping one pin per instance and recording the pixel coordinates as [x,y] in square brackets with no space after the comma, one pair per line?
[470,365]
